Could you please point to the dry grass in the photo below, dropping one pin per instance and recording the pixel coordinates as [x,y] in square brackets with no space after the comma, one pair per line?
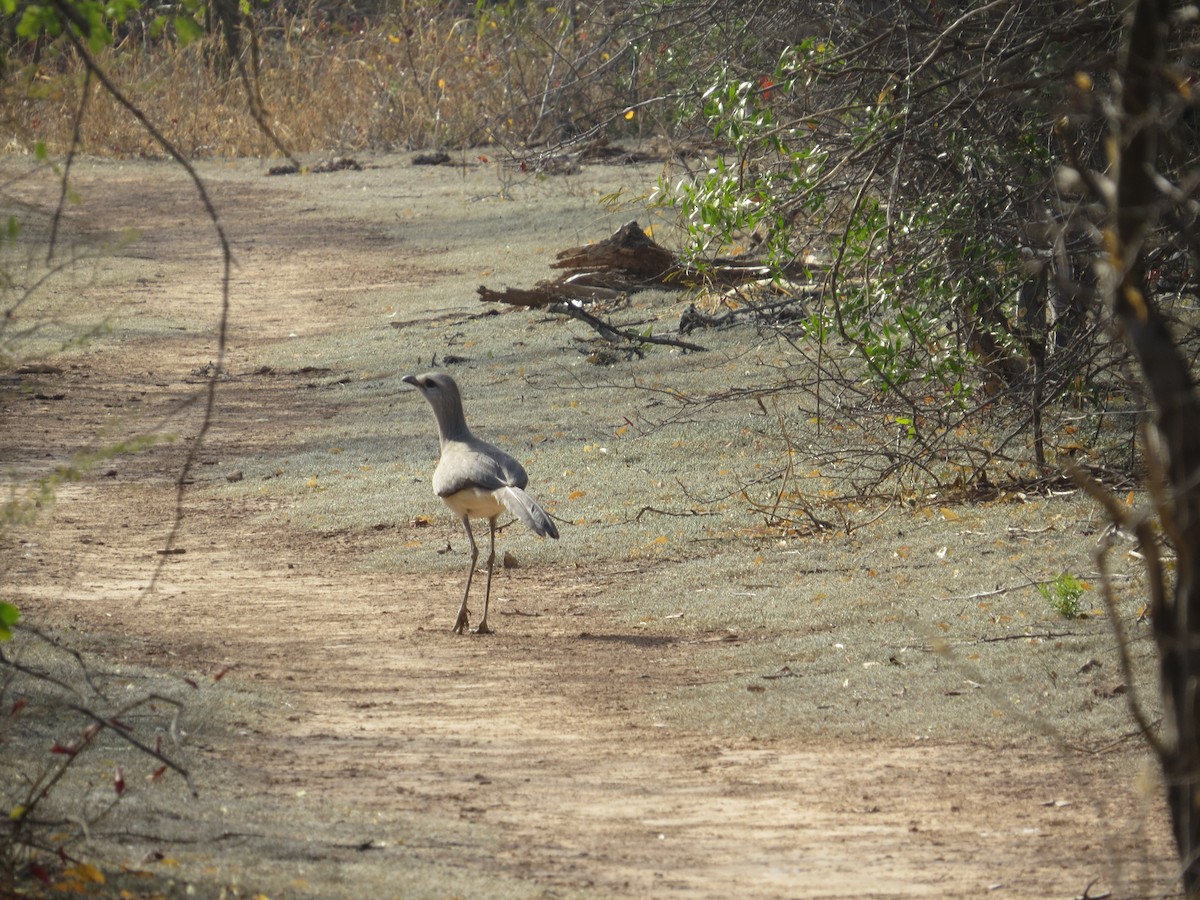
[422,78]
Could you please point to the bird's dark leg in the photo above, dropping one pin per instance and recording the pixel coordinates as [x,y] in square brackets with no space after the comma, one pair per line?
[463,620]
[487,591]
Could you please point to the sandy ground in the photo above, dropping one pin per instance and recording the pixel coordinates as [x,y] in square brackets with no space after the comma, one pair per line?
[678,701]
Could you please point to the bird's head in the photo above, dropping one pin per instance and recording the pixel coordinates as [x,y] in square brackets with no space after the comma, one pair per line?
[431,382]
[439,389]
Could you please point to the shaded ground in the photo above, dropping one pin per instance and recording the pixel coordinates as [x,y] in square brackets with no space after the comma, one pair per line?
[678,702]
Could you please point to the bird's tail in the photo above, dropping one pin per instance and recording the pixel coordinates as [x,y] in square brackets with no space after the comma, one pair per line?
[525,508]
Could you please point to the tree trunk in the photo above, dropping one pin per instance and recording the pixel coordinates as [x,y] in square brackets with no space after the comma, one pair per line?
[1176,438]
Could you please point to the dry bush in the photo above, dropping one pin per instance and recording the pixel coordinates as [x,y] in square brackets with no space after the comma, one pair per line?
[427,75]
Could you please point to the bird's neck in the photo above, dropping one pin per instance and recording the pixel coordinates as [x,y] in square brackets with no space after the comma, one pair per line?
[452,426]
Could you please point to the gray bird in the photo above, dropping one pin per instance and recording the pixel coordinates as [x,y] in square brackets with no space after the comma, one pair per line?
[476,480]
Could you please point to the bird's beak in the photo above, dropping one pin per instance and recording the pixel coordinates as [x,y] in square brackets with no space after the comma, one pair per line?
[411,379]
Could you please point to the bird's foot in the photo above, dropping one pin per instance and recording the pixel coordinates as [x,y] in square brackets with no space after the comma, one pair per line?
[462,624]
[484,628]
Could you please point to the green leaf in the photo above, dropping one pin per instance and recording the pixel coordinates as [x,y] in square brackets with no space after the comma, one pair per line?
[37,20]
[187,30]
[9,615]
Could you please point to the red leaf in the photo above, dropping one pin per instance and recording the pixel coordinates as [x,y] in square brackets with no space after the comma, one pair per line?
[157,773]
[191,683]
[222,673]
[119,781]
[39,872]
[16,708]
[67,750]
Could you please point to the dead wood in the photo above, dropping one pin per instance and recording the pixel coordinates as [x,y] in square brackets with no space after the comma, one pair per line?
[629,261]
[629,339]
[629,253]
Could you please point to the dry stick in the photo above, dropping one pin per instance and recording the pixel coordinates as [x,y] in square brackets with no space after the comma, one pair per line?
[124,734]
[1139,526]
[613,333]
[1134,208]
[76,140]
[250,85]
[63,9]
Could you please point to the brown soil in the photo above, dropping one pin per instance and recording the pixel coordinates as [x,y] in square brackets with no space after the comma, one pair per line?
[358,748]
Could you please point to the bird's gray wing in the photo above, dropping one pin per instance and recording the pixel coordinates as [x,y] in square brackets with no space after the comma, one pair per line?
[476,464]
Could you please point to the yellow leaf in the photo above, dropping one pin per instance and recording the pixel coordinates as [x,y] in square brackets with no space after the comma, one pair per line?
[1083,81]
[949,515]
[441,84]
[575,495]
[85,872]
[16,813]
[622,430]
[628,114]
[661,539]
[1129,499]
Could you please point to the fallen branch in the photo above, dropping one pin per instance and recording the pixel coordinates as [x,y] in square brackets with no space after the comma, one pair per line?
[615,334]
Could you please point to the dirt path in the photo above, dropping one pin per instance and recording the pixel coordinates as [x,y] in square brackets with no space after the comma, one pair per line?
[356,747]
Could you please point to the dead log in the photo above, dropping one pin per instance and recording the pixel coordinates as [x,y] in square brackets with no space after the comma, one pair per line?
[630,252]
[629,261]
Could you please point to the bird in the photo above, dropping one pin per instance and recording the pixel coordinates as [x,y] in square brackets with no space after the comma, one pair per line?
[477,480]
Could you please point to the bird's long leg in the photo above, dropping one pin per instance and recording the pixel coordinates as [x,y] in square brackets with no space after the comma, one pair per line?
[463,620]
[487,591]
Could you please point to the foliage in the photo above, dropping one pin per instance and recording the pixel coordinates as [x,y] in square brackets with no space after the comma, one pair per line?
[1063,595]
[909,161]
[9,616]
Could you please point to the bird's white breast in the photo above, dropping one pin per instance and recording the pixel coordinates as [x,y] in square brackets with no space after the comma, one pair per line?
[474,502]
